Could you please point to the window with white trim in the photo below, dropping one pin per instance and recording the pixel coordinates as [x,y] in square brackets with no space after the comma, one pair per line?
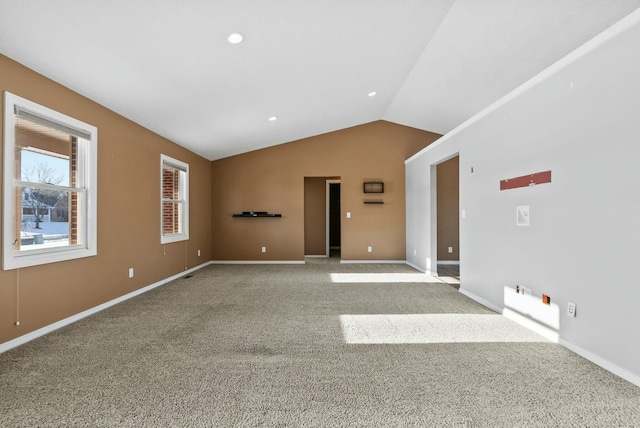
[49,185]
[174,196]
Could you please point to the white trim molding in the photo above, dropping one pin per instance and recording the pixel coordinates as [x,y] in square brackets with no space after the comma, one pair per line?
[618,371]
[395,262]
[554,336]
[77,317]
[257,262]
[85,186]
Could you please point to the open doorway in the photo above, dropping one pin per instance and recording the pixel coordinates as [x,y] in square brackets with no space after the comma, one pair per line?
[322,228]
[333,227]
[448,222]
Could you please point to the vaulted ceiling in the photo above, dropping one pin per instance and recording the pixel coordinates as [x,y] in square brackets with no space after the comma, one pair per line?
[168,64]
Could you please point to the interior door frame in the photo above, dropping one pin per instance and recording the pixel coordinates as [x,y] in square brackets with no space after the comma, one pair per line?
[328,213]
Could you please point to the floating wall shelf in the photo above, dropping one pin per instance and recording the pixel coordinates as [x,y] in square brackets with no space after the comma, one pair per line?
[256,214]
[374,202]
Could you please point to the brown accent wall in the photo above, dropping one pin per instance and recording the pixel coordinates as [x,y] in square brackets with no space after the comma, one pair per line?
[272,180]
[128,216]
[448,209]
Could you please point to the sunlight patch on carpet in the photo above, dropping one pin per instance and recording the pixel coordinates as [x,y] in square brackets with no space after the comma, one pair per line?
[433,328]
[352,278]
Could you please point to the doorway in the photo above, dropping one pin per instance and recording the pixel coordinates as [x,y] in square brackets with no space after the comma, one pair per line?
[322,228]
[448,221]
[333,216]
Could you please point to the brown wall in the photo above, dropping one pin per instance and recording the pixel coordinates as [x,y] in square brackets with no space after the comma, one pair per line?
[128,216]
[448,209]
[272,180]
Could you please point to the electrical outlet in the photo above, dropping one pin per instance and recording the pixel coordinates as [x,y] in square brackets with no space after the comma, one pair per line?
[264,249]
[198,253]
[571,310]
[546,299]
[369,249]
[130,272]
[348,214]
[450,250]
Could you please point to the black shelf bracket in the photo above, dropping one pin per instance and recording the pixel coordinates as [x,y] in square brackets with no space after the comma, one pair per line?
[251,214]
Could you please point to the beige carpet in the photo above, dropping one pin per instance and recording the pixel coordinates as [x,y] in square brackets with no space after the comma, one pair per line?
[285,346]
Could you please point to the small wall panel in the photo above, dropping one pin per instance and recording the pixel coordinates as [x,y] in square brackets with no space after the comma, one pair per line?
[526,180]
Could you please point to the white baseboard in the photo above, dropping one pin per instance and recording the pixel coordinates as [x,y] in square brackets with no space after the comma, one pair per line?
[609,366]
[257,262]
[555,337]
[395,262]
[449,262]
[532,325]
[418,268]
[317,256]
[77,317]
[480,300]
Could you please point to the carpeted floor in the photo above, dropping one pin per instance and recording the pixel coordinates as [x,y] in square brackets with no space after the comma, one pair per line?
[283,346]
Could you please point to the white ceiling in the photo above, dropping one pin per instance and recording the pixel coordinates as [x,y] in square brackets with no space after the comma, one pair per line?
[167,65]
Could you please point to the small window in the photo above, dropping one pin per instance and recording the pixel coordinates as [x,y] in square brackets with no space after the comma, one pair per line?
[50,182]
[174,194]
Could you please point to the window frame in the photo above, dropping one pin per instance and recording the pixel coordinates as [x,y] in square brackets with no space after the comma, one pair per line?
[87,185]
[184,190]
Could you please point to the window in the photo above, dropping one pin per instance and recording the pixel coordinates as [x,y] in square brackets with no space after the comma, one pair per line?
[49,185]
[174,193]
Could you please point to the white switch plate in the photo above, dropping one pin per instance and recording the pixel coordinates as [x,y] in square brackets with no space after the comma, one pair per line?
[198,253]
[369,249]
[450,250]
[571,310]
[264,249]
[522,215]
[348,214]
[130,272]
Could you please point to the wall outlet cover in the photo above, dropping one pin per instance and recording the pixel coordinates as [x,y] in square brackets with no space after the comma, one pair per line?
[571,310]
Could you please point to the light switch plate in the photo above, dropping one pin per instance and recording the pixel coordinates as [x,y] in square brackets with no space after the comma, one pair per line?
[522,215]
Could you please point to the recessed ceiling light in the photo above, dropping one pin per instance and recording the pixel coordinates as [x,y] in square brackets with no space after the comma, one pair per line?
[235,38]
[273,118]
[372,94]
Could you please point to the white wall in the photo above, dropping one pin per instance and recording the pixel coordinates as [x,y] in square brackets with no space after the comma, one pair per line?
[581,120]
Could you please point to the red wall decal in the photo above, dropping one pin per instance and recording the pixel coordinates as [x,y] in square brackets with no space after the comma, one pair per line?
[526,180]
